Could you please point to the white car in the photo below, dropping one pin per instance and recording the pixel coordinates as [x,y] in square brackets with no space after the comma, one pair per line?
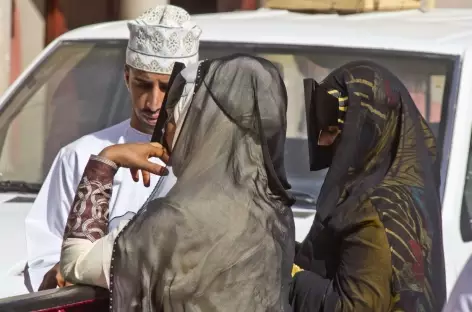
[75,86]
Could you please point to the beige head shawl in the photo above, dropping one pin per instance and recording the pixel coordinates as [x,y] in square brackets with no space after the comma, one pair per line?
[189,74]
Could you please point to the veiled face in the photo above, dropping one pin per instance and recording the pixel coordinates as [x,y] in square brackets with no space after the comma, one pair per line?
[327,115]
[325,109]
[328,137]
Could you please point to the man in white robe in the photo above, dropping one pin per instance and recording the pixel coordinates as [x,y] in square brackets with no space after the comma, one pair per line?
[158,38]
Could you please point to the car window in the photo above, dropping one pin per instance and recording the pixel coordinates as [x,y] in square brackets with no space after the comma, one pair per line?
[79,89]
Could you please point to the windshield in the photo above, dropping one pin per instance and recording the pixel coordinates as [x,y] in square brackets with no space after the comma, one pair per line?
[80,89]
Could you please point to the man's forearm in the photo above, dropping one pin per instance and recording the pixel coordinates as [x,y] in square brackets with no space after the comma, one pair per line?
[88,218]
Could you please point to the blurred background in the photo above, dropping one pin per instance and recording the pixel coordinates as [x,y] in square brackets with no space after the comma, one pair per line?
[27,26]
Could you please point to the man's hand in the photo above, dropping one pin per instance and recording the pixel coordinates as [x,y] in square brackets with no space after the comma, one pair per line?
[52,279]
[135,156]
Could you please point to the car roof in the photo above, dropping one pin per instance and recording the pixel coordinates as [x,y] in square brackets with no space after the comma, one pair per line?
[438,31]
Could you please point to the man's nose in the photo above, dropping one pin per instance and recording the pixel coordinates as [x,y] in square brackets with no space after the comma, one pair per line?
[155,99]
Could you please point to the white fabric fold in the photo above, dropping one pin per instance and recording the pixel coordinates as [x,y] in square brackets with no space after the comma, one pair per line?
[181,109]
[86,262]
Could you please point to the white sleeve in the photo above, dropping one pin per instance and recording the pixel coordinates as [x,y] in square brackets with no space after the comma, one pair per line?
[86,262]
[45,223]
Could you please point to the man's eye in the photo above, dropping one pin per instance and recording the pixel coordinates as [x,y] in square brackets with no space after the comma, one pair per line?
[143,85]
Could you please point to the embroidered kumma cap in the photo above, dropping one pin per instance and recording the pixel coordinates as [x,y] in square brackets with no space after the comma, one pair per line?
[160,37]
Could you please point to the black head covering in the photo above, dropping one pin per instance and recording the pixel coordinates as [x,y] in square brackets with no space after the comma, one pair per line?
[385,154]
[223,237]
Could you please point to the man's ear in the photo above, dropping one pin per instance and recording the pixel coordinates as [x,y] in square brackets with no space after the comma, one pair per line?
[126,75]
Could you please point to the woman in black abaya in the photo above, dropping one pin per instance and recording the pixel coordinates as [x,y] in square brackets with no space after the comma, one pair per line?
[375,244]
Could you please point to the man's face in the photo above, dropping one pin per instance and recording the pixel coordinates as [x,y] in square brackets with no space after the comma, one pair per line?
[147,93]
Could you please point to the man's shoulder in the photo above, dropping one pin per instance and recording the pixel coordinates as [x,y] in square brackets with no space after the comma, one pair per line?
[93,143]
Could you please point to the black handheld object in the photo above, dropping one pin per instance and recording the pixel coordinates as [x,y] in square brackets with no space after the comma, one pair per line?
[161,120]
[309,86]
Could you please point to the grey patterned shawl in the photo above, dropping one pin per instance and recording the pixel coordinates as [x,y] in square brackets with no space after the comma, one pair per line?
[223,237]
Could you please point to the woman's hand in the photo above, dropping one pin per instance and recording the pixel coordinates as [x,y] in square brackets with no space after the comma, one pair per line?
[135,156]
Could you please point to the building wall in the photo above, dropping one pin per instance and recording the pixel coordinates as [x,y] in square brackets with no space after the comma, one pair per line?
[130,9]
[79,13]
[5,43]
[32,29]
[453,3]
[32,22]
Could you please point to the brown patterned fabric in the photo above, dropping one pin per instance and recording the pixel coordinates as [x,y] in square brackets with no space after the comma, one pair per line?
[88,218]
